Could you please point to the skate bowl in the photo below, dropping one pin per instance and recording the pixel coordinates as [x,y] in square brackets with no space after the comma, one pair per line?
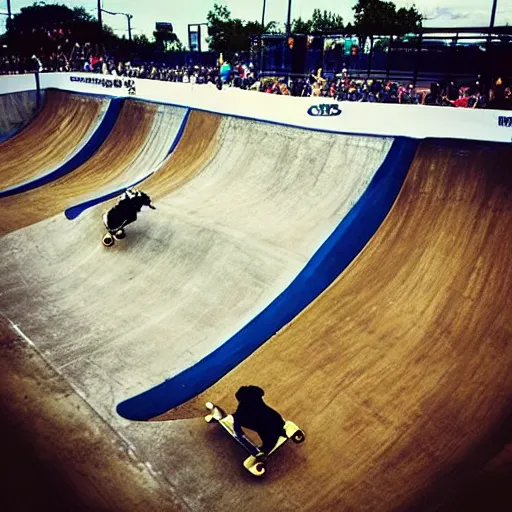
[16,111]
[81,124]
[362,282]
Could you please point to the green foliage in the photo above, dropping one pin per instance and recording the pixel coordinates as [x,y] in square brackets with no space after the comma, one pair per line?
[326,22]
[166,42]
[373,17]
[320,23]
[227,35]
[28,32]
[299,26]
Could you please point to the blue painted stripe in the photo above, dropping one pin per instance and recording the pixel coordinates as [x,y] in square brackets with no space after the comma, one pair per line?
[74,211]
[344,244]
[90,147]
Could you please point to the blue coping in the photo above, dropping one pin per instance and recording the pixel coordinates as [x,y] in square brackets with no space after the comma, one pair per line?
[337,252]
[90,147]
[74,211]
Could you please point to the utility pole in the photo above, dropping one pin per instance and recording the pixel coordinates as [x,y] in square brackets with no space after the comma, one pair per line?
[262,32]
[100,24]
[9,12]
[289,22]
[129,18]
[493,13]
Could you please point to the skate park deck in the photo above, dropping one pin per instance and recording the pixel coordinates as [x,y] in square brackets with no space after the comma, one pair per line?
[398,373]
[69,119]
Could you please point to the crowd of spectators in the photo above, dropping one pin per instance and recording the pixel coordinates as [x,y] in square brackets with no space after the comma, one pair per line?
[341,87]
[443,93]
[344,88]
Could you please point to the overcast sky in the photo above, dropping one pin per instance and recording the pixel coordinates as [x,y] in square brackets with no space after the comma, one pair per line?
[180,13]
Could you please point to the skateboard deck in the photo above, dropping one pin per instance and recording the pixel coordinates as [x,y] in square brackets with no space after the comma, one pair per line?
[255,463]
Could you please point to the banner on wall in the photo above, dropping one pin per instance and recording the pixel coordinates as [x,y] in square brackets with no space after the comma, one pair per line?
[107,83]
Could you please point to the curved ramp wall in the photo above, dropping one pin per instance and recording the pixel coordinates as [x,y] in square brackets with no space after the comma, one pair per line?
[399,373]
[79,127]
[93,128]
[335,254]
[217,251]
[16,111]
[117,155]
[171,126]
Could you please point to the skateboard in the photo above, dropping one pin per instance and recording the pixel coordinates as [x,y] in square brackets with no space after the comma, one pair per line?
[255,463]
[110,238]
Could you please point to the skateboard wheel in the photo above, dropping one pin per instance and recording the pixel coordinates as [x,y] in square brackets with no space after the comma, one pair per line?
[298,437]
[209,405]
[108,241]
[119,235]
[260,468]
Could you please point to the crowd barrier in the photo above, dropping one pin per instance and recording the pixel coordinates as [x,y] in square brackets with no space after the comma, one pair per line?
[416,121]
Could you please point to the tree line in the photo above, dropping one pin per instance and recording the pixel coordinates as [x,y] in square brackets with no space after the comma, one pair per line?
[371,17]
[30,30]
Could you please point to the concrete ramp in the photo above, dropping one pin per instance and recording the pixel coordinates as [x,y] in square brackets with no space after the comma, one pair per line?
[138,137]
[16,111]
[62,128]
[168,126]
[400,373]
[216,252]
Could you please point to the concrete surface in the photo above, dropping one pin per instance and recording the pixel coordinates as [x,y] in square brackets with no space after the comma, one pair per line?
[400,373]
[68,120]
[16,110]
[215,252]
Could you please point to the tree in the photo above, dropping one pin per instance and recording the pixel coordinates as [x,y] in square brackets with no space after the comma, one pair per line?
[320,23]
[166,42]
[378,17]
[407,20]
[229,36]
[41,27]
[326,22]
[299,26]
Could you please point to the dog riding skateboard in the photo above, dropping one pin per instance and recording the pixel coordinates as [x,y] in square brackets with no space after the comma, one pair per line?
[255,463]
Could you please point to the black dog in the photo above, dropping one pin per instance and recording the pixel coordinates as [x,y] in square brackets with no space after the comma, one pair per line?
[125,211]
[253,413]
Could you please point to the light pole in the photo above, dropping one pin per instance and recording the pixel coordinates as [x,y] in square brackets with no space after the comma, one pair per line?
[128,19]
[262,32]
[289,22]
[100,24]
[9,12]
[493,13]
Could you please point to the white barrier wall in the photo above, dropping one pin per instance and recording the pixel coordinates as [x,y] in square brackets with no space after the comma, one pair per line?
[314,113]
[17,83]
